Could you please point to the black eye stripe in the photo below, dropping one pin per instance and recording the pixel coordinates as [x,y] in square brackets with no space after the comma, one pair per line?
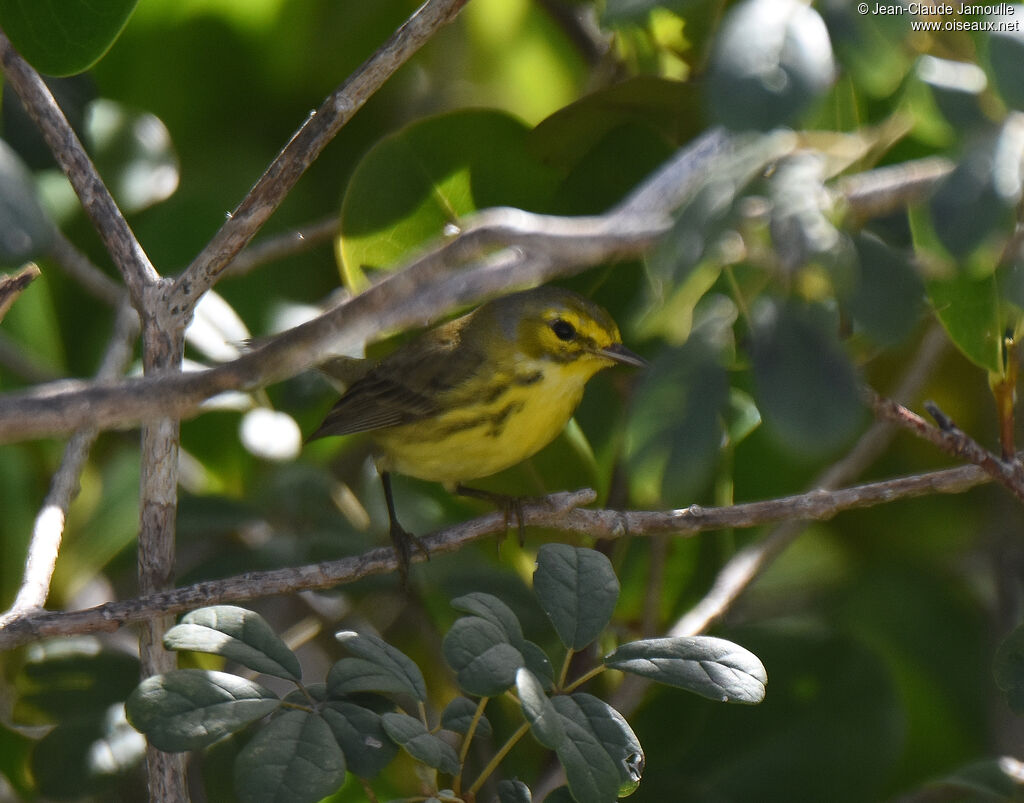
[563,329]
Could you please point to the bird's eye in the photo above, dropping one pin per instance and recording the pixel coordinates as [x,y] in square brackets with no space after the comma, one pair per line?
[563,329]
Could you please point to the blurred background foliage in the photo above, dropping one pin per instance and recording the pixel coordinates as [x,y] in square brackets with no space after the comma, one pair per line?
[879,628]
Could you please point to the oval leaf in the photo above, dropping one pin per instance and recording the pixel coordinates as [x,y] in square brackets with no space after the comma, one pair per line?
[361,736]
[969,310]
[458,716]
[419,743]
[294,759]
[191,708]
[478,650]
[806,385]
[379,659]
[237,634]
[711,667]
[771,60]
[578,589]
[415,182]
[613,733]
[545,724]
[62,37]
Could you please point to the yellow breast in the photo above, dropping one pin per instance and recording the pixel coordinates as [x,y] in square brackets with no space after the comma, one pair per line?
[513,416]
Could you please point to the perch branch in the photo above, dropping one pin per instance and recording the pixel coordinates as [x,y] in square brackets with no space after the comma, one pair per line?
[559,511]
[303,148]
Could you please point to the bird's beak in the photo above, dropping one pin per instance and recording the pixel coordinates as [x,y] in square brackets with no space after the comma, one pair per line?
[619,353]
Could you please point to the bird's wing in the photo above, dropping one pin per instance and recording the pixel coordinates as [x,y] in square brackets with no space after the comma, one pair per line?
[409,385]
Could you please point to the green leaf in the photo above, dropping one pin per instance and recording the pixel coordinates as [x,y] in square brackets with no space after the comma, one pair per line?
[969,310]
[377,667]
[239,635]
[674,431]
[513,792]
[414,183]
[292,759]
[560,724]
[479,652]
[419,743]
[489,607]
[771,60]
[806,386]
[578,589]
[74,678]
[133,152]
[361,737]
[711,667]
[560,795]
[1008,669]
[62,37]
[192,708]
[976,201]
[1006,55]
[25,229]
[616,737]
[458,715]
[888,299]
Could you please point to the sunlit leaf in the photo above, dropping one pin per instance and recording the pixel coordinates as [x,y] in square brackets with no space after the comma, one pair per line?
[771,60]
[578,589]
[378,667]
[711,667]
[969,310]
[413,184]
[238,634]
[292,759]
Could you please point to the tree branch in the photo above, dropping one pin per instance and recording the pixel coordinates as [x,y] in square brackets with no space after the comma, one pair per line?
[117,237]
[559,511]
[303,148]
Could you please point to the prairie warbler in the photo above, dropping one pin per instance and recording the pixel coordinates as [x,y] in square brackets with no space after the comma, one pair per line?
[478,394]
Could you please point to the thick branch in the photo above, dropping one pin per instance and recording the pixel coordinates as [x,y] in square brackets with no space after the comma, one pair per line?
[558,511]
[304,147]
[113,229]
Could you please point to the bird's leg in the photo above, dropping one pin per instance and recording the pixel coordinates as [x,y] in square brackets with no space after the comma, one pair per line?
[509,504]
[401,539]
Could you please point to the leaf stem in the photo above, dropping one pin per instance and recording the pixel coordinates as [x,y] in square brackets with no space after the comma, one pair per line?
[569,653]
[593,673]
[466,740]
[492,765]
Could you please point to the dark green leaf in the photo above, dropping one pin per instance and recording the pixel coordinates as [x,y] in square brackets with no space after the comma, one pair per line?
[429,175]
[771,61]
[616,737]
[237,634]
[1009,669]
[578,589]
[419,743]
[62,37]
[292,759]
[977,199]
[560,724]
[361,737]
[514,792]
[458,715]
[192,708]
[72,678]
[674,431]
[711,667]
[1006,55]
[378,667]
[806,386]
[888,300]
[969,310]
[25,229]
[484,661]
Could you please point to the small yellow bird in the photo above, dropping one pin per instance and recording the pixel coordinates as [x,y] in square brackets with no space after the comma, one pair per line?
[476,395]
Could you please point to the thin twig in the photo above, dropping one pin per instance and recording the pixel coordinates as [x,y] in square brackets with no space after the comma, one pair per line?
[48,529]
[79,267]
[303,148]
[558,511]
[117,237]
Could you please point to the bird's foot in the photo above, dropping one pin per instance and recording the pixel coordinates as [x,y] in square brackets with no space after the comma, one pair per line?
[403,542]
[508,504]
